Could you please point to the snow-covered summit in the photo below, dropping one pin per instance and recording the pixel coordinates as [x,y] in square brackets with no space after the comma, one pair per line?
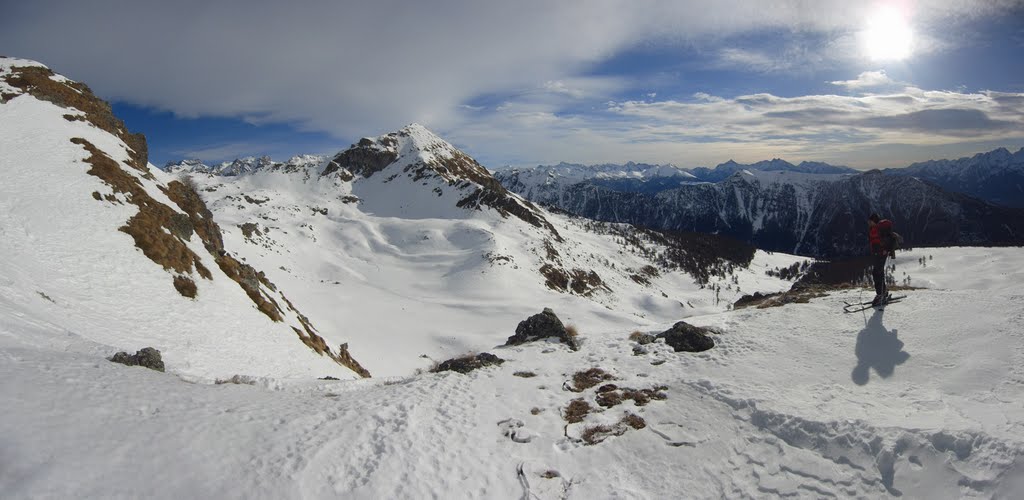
[412,147]
[188,165]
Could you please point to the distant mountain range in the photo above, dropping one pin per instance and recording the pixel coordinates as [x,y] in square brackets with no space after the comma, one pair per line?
[809,209]
[996,176]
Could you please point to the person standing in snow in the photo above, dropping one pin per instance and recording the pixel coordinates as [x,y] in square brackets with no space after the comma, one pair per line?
[880,235]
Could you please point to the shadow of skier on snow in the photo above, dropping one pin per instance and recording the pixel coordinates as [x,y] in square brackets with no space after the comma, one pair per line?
[877,348]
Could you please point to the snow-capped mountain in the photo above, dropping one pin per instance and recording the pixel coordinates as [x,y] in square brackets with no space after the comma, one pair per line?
[728,169]
[242,166]
[101,248]
[996,176]
[807,214]
[408,243]
[547,182]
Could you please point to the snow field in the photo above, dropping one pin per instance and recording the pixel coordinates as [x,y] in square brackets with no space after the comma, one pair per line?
[773,410]
[419,280]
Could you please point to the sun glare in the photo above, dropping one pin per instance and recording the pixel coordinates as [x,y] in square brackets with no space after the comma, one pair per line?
[888,36]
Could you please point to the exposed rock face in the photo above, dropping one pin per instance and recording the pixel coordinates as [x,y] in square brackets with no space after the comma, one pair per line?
[467,364]
[542,326]
[365,158]
[686,337]
[147,357]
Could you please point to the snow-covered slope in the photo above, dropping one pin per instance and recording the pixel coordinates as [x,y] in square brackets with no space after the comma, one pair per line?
[922,400]
[411,252]
[100,248]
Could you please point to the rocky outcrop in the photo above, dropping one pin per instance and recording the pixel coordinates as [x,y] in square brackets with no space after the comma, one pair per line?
[686,337]
[542,326]
[147,357]
[466,364]
[365,158]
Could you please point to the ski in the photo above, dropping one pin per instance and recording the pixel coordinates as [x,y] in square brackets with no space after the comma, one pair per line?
[864,306]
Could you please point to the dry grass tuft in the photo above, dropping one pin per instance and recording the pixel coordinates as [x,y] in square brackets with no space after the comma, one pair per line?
[634,421]
[535,411]
[571,331]
[185,286]
[589,378]
[640,397]
[598,433]
[576,411]
[525,374]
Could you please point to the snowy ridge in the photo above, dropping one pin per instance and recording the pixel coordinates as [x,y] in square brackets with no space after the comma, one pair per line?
[100,246]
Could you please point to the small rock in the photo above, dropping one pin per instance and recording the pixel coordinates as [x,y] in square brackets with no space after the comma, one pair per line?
[147,357]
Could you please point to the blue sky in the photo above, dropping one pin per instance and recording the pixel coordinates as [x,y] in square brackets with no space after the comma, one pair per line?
[866,84]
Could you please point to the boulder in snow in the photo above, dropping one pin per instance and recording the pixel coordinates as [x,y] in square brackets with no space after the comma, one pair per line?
[466,364]
[686,337]
[542,326]
[147,357]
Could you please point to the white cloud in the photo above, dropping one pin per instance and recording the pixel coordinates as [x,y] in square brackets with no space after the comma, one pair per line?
[710,129]
[867,79]
[362,68]
[354,68]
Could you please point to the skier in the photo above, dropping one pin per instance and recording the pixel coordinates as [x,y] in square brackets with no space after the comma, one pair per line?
[880,235]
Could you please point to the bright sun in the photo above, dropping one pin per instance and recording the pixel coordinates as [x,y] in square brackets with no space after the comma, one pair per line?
[888,36]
